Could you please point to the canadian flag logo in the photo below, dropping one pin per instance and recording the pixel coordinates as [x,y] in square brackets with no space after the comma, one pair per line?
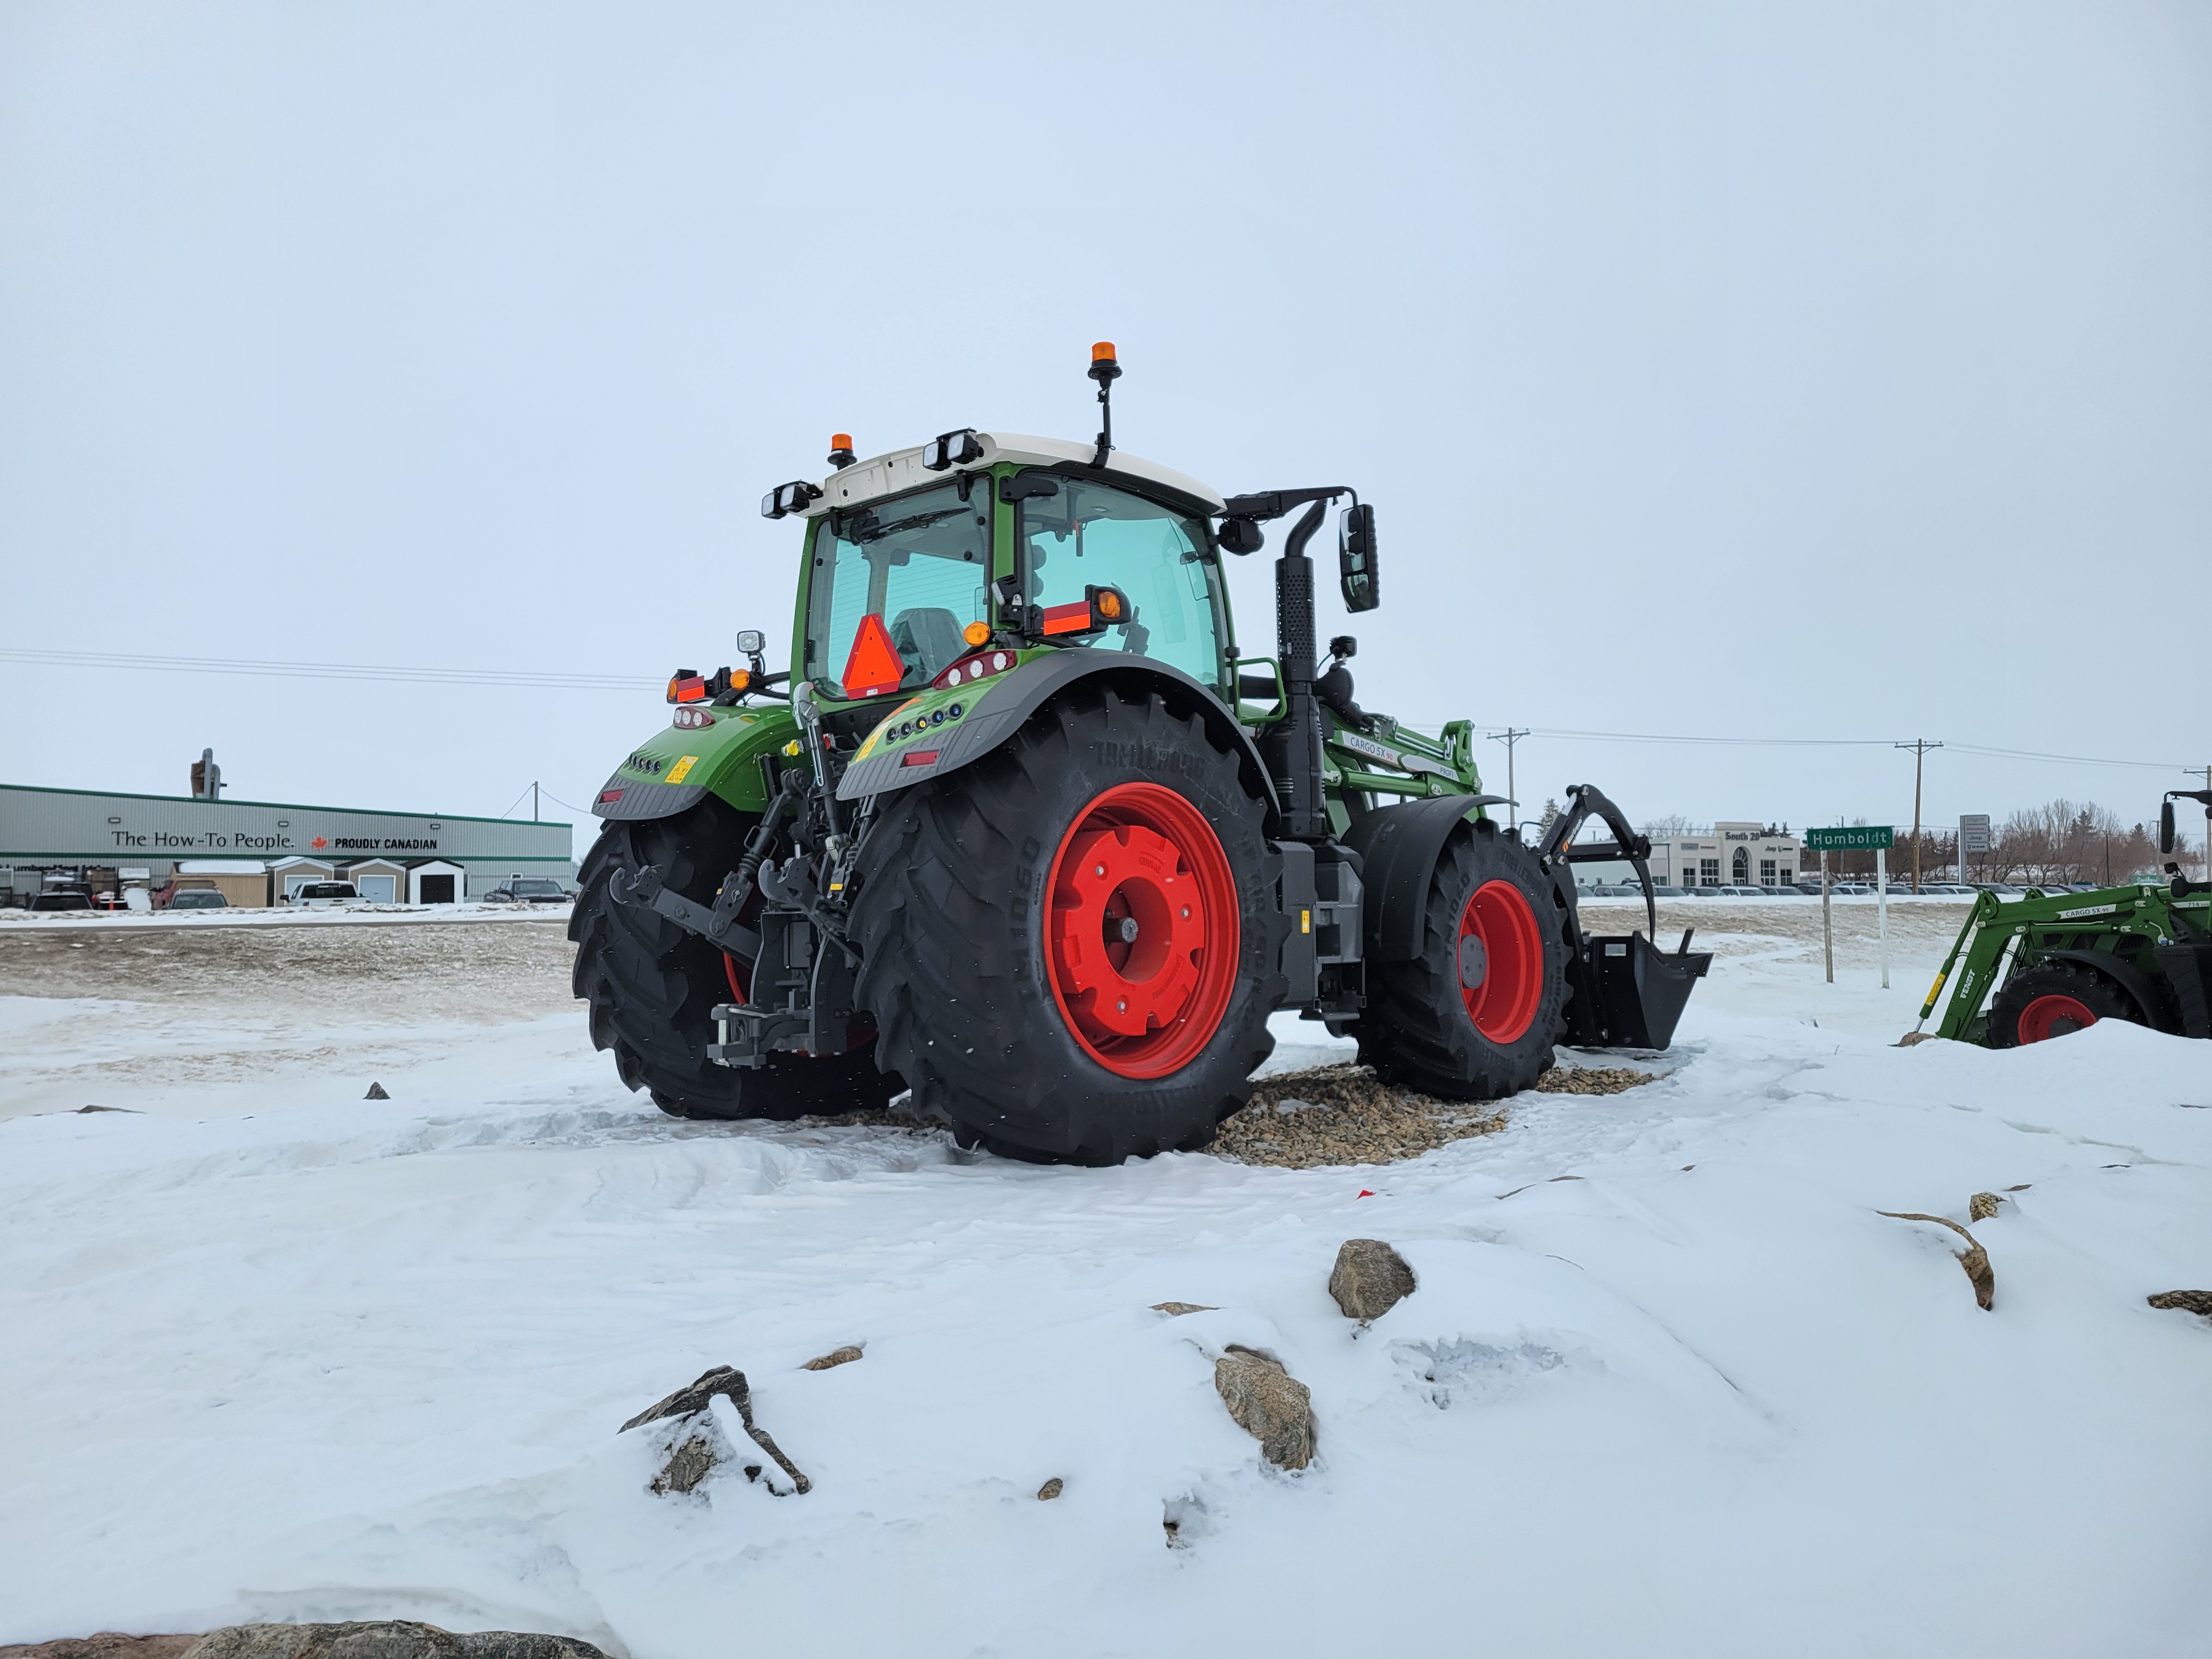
[320,842]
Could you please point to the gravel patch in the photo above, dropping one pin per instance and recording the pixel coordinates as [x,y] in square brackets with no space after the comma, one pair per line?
[1343,1114]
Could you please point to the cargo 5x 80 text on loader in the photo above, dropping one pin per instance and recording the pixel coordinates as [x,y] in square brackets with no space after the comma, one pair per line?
[1025,831]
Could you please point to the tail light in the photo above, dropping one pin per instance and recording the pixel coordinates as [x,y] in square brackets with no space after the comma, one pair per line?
[983,665]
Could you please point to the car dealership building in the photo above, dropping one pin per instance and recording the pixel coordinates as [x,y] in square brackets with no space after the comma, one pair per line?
[254,852]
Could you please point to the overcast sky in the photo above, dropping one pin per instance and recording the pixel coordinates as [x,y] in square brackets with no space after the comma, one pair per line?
[1746,372]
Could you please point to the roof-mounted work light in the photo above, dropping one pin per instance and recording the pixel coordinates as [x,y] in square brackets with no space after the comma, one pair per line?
[787,499]
[952,449]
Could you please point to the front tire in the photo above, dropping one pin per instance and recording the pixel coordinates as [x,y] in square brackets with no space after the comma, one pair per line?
[1069,947]
[653,986]
[1489,917]
[2054,1000]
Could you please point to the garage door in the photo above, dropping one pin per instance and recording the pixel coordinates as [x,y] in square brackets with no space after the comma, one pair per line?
[437,889]
[377,890]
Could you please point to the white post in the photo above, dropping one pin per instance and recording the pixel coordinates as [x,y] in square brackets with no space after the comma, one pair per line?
[1827,931]
[1881,907]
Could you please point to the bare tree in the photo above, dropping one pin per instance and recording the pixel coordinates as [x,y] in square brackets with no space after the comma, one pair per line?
[2064,841]
[1665,829]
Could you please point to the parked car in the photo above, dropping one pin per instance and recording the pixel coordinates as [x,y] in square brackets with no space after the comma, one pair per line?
[528,889]
[1783,892]
[61,901]
[199,898]
[325,894]
[1660,890]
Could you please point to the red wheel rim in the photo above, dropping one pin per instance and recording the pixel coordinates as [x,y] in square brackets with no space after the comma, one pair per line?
[2055,1015]
[1504,1007]
[1141,930]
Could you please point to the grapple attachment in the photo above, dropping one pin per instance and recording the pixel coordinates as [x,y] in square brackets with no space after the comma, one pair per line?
[1628,993]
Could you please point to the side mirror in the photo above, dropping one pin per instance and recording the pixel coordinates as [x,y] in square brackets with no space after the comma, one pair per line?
[1355,557]
[2166,826]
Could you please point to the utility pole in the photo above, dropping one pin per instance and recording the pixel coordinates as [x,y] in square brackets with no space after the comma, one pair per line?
[1920,746]
[1509,736]
[533,800]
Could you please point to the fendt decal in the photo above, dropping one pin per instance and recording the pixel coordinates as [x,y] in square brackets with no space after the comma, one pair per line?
[1388,756]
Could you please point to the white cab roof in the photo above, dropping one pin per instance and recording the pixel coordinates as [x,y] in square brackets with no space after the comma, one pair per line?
[902,468]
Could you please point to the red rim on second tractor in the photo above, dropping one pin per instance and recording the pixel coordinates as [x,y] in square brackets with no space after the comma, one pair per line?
[2054,1015]
[1504,1007]
[1141,930]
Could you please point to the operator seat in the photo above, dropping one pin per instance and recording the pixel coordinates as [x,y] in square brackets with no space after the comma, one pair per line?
[927,638]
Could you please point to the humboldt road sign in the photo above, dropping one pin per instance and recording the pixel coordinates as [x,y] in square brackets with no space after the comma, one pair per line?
[1852,838]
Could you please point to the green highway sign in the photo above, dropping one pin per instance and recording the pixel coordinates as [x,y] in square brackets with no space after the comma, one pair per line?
[1854,838]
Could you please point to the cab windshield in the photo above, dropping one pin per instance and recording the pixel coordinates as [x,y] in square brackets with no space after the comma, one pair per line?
[922,563]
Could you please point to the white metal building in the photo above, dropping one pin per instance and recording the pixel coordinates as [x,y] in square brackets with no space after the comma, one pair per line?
[53,836]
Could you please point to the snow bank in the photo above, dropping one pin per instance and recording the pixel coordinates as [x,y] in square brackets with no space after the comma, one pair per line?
[1670,1384]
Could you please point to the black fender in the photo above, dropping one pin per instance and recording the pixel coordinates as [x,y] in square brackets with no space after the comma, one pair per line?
[2127,977]
[1024,691]
[624,797]
[1398,847]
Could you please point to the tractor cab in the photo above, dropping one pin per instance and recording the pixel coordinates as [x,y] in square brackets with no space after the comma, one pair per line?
[915,560]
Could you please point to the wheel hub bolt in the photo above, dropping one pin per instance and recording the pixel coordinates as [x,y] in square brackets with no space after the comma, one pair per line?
[1128,930]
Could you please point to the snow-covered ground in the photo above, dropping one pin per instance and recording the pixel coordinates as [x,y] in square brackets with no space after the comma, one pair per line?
[1670,1384]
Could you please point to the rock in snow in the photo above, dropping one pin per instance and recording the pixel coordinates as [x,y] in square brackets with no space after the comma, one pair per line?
[383,1638]
[1051,1489]
[1369,1279]
[376,1092]
[1268,1403]
[690,1461]
[2196,1301]
[844,1356]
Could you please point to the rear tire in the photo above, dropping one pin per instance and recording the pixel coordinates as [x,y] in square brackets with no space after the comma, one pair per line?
[991,923]
[2055,1000]
[652,988]
[1423,1029]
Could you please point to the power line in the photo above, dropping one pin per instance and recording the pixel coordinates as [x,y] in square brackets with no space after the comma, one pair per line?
[535,679]
[1984,750]
[546,679]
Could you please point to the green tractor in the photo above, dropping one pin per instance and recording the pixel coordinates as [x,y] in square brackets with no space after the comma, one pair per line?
[1024,829]
[2049,964]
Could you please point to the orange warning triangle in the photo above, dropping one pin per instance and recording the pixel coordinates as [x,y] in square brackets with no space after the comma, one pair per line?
[874,665]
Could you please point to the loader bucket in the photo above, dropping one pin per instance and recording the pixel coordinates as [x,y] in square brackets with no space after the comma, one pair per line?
[1638,992]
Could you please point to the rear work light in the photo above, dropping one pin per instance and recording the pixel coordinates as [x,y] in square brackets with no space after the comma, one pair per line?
[692,720]
[981,666]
